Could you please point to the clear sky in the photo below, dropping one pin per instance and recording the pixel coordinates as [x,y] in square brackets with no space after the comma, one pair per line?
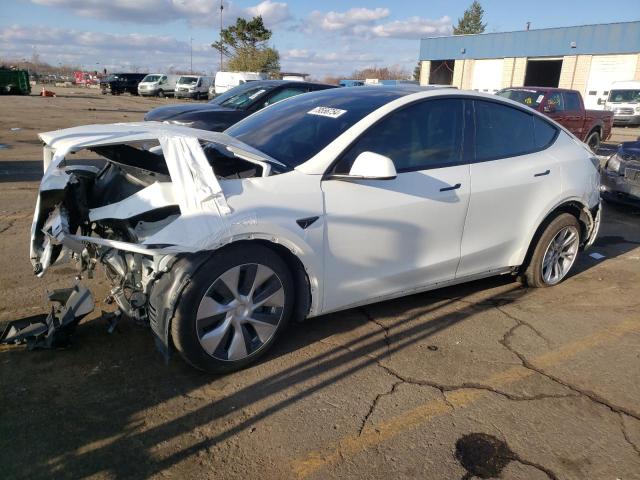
[322,38]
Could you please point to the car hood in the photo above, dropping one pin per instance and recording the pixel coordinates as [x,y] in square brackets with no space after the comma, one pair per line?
[630,150]
[171,112]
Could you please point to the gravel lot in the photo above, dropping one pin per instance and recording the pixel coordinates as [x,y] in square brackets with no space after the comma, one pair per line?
[488,379]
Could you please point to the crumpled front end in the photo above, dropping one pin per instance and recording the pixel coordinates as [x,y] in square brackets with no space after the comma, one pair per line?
[620,181]
[151,196]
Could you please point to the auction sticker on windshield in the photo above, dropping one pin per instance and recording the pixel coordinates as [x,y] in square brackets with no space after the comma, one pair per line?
[327,112]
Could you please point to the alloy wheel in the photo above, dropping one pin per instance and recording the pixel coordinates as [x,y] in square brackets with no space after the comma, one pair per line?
[560,255]
[240,312]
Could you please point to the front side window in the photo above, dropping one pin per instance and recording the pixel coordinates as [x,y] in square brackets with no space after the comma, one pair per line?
[529,97]
[418,137]
[571,102]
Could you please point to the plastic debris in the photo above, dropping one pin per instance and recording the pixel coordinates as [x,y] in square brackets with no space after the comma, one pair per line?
[596,256]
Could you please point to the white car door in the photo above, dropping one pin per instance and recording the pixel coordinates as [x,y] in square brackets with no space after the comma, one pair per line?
[386,237]
[513,179]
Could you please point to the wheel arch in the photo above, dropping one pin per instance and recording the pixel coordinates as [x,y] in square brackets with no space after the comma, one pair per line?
[167,289]
[573,207]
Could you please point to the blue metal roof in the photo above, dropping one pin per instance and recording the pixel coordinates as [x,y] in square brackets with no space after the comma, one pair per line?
[549,42]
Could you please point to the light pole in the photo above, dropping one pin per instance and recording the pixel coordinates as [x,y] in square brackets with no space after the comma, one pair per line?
[221,9]
[191,69]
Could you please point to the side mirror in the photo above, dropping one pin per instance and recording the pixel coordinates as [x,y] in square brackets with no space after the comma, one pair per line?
[369,165]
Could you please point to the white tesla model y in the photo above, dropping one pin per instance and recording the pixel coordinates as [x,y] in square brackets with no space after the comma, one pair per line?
[318,203]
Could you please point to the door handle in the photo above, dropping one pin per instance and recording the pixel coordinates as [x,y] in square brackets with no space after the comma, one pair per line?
[542,174]
[447,189]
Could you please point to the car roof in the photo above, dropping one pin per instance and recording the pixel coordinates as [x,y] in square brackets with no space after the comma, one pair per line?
[541,89]
[277,83]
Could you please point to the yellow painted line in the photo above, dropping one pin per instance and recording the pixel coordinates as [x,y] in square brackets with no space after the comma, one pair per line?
[351,445]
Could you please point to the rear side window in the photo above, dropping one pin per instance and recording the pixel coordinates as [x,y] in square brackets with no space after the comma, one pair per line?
[544,133]
[571,102]
[502,131]
[418,137]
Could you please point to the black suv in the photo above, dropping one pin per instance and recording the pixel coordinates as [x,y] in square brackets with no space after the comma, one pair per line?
[118,83]
[233,105]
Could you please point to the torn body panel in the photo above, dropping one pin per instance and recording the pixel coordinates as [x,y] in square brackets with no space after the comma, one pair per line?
[72,304]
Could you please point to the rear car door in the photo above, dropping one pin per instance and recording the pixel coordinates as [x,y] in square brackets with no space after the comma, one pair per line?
[513,179]
[386,237]
[574,114]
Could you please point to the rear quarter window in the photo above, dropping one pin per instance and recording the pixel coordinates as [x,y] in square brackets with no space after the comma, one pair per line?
[502,131]
[544,133]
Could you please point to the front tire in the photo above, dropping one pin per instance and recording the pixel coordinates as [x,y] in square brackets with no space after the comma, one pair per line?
[160,94]
[234,308]
[555,252]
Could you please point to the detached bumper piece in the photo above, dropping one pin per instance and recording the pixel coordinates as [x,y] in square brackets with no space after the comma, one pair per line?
[56,330]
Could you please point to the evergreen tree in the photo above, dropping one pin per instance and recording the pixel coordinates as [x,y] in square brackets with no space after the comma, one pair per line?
[471,21]
[416,72]
[245,45]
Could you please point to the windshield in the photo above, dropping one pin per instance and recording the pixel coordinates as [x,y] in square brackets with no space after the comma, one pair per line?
[528,97]
[628,96]
[151,78]
[294,130]
[110,78]
[235,91]
[188,80]
[239,100]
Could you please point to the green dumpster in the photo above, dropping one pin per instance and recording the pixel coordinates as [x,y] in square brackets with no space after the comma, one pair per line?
[14,82]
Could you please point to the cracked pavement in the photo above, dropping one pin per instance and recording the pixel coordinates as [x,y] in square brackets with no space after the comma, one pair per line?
[552,376]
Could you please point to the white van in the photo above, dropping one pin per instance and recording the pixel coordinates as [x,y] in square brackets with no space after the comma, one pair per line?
[624,102]
[227,80]
[295,78]
[157,85]
[193,86]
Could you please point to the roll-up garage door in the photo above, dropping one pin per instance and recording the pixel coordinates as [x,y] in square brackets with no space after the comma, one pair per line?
[606,69]
[487,75]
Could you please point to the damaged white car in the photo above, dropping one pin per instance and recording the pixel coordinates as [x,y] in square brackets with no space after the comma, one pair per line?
[318,203]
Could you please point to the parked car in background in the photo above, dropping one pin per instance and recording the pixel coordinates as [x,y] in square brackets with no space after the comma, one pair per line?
[567,108]
[624,102]
[620,179]
[157,85]
[319,203]
[351,83]
[233,105]
[117,83]
[227,80]
[193,86]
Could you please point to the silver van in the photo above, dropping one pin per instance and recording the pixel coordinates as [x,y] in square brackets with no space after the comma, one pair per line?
[157,85]
[193,86]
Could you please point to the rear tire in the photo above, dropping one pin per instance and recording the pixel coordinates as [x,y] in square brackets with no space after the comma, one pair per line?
[233,309]
[593,141]
[555,252]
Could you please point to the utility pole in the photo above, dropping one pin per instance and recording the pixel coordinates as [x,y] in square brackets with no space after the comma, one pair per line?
[221,9]
[191,69]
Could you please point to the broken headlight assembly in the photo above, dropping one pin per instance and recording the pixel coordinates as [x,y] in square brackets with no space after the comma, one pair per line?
[615,165]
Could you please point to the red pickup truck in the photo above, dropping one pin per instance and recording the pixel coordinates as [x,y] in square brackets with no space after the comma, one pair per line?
[566,108]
